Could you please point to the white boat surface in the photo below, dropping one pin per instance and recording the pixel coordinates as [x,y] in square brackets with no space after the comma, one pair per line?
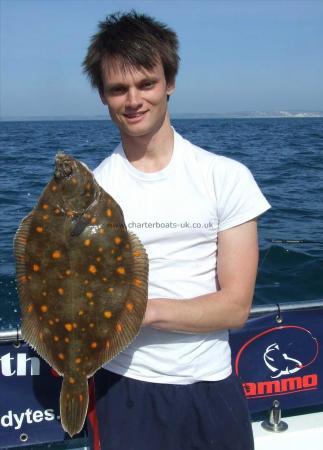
[305,431]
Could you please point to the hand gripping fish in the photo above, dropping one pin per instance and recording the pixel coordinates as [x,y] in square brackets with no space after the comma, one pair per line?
[82,282]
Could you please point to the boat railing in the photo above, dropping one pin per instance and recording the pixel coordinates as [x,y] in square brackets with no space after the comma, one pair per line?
[14,335]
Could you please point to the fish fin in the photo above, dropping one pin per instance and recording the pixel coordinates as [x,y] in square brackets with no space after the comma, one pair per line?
[31,330]
[19,243]
[74,401]
[134,306]
[80,226]
[85,219]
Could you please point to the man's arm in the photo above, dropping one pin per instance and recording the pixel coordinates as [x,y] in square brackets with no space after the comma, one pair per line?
[237,263]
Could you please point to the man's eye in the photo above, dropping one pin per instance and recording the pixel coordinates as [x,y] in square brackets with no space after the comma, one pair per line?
[117,91]
[148,84]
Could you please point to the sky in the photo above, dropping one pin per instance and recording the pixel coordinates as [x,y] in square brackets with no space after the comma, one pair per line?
[239,55]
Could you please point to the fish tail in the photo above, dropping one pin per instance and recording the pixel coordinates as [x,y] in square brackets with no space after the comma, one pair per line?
[74,400]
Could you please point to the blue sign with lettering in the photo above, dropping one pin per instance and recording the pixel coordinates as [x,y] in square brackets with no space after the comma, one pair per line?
[29,407]
[280,360]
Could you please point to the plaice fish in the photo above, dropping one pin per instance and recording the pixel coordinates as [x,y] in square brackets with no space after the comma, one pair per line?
[82,282]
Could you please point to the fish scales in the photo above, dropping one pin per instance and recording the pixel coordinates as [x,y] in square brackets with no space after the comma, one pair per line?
[82,280]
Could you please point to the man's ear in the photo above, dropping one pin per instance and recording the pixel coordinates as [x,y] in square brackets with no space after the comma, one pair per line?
[170,87]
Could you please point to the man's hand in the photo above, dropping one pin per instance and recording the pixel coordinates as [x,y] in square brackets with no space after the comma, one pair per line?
[237,262]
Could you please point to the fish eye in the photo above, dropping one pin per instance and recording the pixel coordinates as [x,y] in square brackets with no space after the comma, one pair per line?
[67,168]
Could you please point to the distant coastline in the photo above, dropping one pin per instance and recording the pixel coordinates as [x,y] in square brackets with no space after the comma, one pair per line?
[289,114]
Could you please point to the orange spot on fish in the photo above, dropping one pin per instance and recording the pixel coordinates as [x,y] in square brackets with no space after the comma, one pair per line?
[108,212]
[87,216]
[51,322]
[136,253]
[87,242]
[44,293]
[56,338]
[100,249]
[57,211]
[68,326]
[94,345]
[78,360]
[74,325]
[102,231]
[86,282]
[56,254]
[30,308]
[137,282]
[107,344]
[74,180]
[61,356]
[93,220]
[39,229]
[68,272]
[130,306]
[45,217]
[104,279]
[56,319]
[41,336]
[71,380]
[111,289]
[60,291]
[121,270]
[91,303]
[98,259]
[81,398]
[66,340]
[45,206]
[119,327]
[117,240]
[107,314]
[81,312]
[36,267]
[23,279]
[119,258]
[92,269]
[91,325]
[127,246]
[89,294]
[44,308]
[69,213]
[54,188]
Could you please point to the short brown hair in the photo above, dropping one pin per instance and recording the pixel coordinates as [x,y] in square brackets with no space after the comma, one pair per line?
[137,40]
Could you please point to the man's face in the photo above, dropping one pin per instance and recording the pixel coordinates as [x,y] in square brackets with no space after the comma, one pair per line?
[137,99]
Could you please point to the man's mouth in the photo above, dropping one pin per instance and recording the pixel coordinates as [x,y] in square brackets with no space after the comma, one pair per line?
[134,115]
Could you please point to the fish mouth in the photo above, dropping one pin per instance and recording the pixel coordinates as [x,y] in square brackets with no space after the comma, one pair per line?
[63,166]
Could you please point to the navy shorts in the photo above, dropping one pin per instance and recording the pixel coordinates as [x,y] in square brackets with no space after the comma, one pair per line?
[136,415]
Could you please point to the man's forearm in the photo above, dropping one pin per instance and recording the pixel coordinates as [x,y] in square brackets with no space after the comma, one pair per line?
[211,312]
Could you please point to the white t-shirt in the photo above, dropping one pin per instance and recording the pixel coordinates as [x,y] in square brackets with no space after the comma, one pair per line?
[177,213]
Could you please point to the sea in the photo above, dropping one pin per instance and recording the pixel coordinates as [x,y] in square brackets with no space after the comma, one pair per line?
[285,156]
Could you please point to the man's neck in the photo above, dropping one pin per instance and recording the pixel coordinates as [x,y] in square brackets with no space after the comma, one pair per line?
[152,152]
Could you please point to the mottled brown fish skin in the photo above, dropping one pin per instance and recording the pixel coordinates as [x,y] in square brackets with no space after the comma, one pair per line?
[82,282]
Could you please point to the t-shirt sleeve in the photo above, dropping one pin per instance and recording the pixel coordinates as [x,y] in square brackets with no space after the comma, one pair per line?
[238,196]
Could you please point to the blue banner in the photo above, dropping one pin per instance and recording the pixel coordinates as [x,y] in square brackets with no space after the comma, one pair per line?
[29,399]
[280,361]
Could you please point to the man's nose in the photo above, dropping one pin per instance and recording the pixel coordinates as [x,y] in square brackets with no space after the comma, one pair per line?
[133,98]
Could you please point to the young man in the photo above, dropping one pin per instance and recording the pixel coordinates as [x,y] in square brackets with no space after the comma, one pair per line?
[195,213]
